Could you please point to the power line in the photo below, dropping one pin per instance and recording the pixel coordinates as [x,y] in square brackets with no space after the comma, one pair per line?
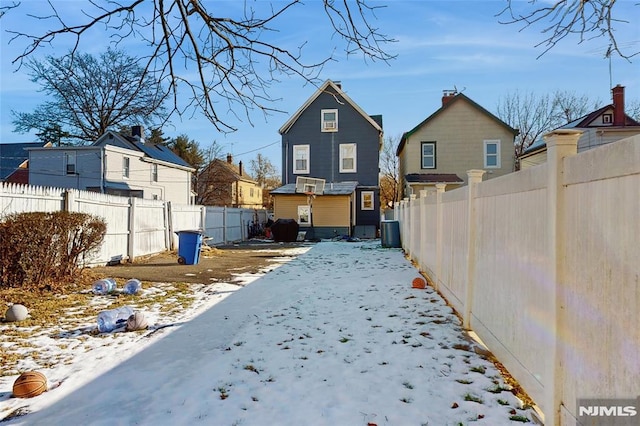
[258,149]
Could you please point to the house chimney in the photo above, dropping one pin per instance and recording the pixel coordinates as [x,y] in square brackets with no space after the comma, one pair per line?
[240,168]
[229,159]
[619,117]
[138,133]
[338,84]
[447,95]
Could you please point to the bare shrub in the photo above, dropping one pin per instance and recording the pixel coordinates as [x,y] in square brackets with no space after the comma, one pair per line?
[41,250]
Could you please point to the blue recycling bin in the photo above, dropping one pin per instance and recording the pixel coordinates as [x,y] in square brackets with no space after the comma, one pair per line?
[189,244]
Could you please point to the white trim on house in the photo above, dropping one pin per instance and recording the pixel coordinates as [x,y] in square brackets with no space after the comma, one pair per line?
[304,150]
[491,155]
[348,151]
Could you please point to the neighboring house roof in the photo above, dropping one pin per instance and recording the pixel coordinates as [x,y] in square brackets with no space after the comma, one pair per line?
[336,188]
[232,170]
[15,155]
[376,121]
[156,152]
[588,119]
[433,178]
[584,122]
[457,98]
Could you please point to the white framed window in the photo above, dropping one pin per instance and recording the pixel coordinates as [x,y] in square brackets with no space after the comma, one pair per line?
[607,118]
[348,158]
[125,167]
[366,200]
[304,215]
[329,120]
[301,159]
[70,163]
[492,154]
[154,172]
[428,155]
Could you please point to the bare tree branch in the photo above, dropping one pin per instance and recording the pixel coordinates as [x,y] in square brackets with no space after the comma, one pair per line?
[5,8]
[389,173]
[225,64]
[534,115]
[586,19]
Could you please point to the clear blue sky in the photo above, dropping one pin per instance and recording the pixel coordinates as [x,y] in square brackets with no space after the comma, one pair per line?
[441,45]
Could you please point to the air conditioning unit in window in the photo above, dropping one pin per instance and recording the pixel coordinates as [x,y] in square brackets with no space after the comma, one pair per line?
[329,125]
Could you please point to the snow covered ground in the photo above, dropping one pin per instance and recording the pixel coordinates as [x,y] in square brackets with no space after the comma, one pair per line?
[334,336]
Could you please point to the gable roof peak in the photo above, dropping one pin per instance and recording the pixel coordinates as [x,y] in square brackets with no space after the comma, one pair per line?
[337,93]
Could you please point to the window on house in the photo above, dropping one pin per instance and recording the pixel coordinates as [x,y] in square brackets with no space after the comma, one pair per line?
[607,118]
[301,159]
[125,167]
[329,120]
[428,155]
[492,154]
[304,215]
[347,158]
[154,172]
[70,163]
[366,200]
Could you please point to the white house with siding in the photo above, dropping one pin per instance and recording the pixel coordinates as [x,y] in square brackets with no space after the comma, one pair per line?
[115,164]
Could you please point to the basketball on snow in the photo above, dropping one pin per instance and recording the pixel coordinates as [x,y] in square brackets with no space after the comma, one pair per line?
[137,321]
[29,384]
[419,283]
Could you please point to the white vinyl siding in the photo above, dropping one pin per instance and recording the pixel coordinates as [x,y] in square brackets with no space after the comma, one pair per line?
[301,159]
[348,158]
[492,154]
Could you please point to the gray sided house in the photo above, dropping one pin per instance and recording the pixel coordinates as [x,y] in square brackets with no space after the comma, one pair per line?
[115,164]
[330,137]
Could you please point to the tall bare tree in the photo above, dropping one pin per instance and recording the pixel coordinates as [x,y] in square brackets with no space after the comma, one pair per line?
[90,95]
[233,55]
[389,173]
[534,115]
[265,173]
[560,19]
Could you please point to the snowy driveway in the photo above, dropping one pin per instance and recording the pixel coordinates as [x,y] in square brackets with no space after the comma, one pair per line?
[336,336]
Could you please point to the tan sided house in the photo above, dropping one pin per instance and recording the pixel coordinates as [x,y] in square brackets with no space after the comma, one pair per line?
[458,137]
[222,183]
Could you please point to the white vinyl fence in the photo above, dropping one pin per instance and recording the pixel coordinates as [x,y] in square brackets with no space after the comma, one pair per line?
[135,226]
[543,265]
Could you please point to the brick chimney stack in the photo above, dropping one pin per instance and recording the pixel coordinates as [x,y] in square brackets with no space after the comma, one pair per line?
[229,159]
[447,95]
[619,117]
[240,168]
